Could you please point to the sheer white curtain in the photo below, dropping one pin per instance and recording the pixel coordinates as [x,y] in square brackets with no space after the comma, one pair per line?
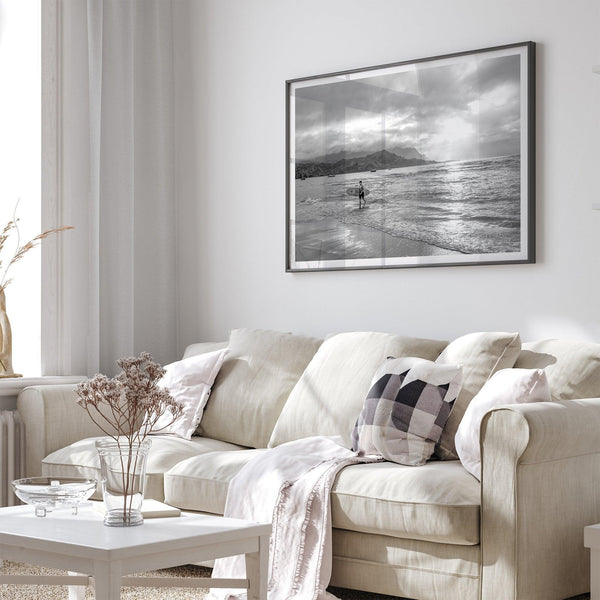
[115,156]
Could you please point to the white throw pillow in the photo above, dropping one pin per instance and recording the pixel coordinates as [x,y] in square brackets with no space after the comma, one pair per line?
[189,381]
[508,386]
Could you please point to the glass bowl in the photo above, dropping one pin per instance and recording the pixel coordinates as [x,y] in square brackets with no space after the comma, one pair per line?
[47,493]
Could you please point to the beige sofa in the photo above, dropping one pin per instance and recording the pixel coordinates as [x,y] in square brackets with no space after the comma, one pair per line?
[432,532]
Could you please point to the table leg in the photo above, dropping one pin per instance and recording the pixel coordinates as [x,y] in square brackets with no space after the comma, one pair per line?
[257,567]
[107,580]
[76,592]
[595,574]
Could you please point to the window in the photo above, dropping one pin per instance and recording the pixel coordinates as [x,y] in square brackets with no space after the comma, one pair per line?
[20,169]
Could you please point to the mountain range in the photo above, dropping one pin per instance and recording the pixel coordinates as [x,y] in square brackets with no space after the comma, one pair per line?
[405,151]
[341,162]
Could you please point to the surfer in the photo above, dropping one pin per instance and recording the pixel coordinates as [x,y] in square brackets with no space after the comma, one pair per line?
[361,195]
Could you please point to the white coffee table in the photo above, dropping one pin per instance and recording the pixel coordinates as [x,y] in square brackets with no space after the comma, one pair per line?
[591,540]
[83,544]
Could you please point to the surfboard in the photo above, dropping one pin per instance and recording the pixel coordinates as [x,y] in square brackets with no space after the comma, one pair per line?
[353,191]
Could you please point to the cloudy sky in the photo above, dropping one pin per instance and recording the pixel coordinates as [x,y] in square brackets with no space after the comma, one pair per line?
[469,108]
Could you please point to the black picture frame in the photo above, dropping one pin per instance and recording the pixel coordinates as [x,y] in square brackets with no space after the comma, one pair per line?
[444,148]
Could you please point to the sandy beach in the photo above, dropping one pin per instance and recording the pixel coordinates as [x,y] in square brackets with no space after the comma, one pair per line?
[328,239]
[411,212]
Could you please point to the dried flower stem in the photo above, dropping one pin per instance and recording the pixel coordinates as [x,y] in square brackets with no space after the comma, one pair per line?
[128,406]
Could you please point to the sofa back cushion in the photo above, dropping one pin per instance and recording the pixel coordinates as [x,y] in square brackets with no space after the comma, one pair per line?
[572,366]
[481,355]
[253,384]
[203,348]
[329,396]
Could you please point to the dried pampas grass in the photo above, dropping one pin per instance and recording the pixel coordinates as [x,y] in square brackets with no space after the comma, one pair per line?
[21,249]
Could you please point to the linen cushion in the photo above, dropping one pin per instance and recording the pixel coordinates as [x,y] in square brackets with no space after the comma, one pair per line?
[189,382]
[253,384]
[80,459]
[481,355]
[572,366]
[509,386]
[329,396]
[201,482]
[406,409]
[438,502]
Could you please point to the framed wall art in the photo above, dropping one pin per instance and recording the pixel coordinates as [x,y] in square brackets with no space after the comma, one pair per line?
[427,162]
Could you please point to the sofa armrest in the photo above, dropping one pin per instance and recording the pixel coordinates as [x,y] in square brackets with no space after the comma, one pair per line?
[540,487]
[52,420]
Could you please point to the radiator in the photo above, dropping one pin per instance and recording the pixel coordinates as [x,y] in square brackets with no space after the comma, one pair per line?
[12,454]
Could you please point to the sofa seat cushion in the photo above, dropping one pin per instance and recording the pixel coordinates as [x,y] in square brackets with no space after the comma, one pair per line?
[438,502]
[201,482]
[80,459]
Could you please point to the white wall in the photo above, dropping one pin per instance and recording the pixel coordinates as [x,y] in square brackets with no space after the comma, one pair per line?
[233,59]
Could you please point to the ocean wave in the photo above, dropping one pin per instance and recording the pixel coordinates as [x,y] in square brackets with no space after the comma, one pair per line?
[471,207]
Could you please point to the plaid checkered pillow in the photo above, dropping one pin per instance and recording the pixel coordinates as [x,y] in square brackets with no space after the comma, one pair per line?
[406,409]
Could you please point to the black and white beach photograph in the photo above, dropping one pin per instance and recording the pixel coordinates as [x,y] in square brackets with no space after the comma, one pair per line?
[420,163]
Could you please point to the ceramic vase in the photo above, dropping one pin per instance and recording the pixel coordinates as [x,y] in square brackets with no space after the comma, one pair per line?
[6,368]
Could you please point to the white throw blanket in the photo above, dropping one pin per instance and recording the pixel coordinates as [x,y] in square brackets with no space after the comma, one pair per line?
[289,486]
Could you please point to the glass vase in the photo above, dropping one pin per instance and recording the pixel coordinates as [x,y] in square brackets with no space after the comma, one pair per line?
[123,479]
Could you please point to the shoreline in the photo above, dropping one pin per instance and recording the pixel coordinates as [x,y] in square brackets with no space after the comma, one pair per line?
[329,239]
